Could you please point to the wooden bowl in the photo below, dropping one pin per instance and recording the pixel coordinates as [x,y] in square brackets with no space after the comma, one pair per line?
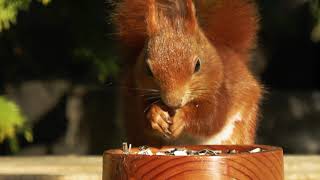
[262,165]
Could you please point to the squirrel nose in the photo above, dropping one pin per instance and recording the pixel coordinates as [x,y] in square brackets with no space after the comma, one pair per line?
[172,100]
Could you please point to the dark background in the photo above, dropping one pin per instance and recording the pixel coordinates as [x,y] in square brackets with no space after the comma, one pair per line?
[57,61]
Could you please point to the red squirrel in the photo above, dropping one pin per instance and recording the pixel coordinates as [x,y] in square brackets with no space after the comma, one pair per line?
[190,58]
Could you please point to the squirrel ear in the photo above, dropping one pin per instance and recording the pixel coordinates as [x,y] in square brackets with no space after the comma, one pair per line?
[159,12]
[187,11]
[191,19]
[151,18]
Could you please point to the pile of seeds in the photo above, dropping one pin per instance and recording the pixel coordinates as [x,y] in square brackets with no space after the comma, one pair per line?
[145,150]
[187,152]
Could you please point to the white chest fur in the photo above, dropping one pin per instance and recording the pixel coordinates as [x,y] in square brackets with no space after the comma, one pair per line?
[219,138]
[226,132]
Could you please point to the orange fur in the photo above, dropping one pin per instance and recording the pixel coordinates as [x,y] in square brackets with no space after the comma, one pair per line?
[218,104]
[231,23]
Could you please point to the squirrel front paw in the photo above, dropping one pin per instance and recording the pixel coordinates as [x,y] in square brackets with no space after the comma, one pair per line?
[160,120]
[170,127]
[178,123]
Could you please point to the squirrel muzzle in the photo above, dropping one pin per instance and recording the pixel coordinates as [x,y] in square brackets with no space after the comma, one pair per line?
[174,98]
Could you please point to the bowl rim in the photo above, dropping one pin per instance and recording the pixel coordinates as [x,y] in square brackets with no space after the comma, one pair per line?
[267,150]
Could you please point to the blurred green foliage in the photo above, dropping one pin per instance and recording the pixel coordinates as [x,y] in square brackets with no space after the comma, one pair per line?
[61,41]
[12,122]
[315,11]
[9,10]
[104,68]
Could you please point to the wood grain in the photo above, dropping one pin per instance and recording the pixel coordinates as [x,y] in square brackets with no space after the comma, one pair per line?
[297,167]
[264,165]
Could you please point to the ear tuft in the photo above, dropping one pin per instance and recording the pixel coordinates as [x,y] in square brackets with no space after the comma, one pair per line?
[151,17]
[191,19]
[176,14]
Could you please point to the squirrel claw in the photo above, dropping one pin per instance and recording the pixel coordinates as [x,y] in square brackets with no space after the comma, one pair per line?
[160,120]
[169,121]
[167,131]
[167,136]
[165,116]
[178,124]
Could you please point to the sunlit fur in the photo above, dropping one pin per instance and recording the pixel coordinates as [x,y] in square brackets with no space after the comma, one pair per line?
[167,37]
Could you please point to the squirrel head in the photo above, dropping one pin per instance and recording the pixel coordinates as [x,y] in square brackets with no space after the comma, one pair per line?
[177,58]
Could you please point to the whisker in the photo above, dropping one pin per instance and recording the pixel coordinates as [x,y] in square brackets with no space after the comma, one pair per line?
[152,97]
[149,94]
[141,89]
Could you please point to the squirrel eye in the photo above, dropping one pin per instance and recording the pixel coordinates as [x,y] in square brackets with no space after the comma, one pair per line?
[198,65]
[149,72]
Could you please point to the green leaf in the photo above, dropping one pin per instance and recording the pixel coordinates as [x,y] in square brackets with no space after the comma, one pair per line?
[12,122]
[14,144]
[9,10]
[45,2]
[315,11]
[28,135]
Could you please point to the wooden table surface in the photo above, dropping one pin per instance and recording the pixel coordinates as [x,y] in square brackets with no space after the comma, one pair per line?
[90,168]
